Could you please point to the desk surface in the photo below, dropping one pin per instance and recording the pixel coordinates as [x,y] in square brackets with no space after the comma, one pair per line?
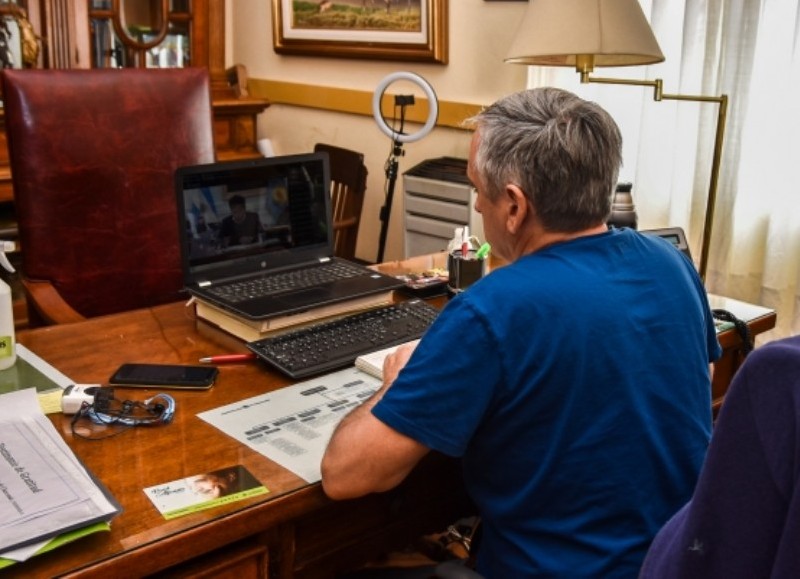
[141,541]
[141,457]
[146,456]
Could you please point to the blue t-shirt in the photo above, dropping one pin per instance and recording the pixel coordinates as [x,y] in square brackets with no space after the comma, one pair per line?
[574,383]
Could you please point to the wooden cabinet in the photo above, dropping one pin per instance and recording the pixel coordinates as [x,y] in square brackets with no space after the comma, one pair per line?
[140,33]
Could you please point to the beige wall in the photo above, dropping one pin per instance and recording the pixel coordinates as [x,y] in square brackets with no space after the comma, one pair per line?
[479,35]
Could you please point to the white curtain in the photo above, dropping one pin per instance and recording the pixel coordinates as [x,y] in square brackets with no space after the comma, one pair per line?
[749,50]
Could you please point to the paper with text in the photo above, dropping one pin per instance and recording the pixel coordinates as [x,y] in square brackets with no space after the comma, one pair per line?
[44,489]
[292,426]
[204,491]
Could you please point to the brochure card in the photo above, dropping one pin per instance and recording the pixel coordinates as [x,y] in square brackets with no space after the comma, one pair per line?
[204,491]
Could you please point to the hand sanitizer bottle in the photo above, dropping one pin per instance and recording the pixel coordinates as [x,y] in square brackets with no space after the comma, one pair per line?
[8,351]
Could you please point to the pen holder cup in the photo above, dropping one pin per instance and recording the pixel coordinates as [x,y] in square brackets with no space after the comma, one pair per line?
[461,272]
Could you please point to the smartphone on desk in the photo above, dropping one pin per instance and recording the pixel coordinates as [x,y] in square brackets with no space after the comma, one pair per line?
[177,376]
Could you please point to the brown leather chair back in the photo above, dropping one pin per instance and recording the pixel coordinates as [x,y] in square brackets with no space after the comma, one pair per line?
[93,156]
[348,186]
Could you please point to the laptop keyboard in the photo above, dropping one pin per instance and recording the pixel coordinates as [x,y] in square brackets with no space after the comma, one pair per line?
[276,283]
[333,344]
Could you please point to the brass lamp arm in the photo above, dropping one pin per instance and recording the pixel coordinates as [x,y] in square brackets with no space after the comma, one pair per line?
[722,114]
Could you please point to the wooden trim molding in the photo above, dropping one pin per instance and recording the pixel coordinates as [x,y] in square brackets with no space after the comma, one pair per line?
[451,114]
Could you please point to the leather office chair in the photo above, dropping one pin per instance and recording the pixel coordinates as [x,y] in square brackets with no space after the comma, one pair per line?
[93,155]
[348,186]
[743,520]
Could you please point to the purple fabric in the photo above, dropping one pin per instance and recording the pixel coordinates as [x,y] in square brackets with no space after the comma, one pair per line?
[744,518]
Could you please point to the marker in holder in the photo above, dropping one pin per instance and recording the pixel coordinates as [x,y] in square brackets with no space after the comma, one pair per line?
[463,272]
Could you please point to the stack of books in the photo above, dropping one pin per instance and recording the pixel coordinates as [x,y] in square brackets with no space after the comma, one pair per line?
[252,330]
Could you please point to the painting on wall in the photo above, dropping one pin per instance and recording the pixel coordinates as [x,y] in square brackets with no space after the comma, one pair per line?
[409,30]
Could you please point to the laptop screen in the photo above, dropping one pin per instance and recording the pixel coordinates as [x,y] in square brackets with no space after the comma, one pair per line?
[239,217]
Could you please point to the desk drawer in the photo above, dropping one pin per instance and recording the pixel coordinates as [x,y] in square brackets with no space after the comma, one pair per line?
[245,560]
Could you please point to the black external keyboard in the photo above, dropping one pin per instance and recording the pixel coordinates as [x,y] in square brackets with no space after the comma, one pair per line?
[334,344]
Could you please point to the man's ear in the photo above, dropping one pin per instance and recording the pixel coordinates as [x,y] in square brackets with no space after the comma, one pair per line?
[517,208]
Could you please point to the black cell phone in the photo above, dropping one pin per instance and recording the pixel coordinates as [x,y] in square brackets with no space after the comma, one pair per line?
[179,376]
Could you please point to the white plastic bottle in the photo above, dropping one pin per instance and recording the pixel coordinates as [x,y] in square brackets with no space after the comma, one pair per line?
[8,350]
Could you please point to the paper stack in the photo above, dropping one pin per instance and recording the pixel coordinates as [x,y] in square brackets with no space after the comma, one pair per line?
[45,491]
[372,363]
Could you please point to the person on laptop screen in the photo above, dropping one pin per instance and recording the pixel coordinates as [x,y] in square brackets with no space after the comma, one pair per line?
[241,227]
[573,382]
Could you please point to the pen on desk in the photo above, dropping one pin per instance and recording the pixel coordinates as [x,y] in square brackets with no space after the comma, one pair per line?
[227,358]
[483,251]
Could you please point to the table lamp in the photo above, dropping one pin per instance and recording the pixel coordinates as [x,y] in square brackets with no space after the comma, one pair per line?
[589,33]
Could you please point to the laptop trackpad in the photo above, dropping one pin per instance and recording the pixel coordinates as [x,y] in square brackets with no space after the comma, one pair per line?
[306,296]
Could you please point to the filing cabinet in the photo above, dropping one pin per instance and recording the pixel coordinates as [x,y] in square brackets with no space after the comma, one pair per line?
[437,198]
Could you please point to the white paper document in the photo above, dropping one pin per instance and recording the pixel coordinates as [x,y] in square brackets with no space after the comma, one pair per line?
[372,362]
[44,489]
[292,426]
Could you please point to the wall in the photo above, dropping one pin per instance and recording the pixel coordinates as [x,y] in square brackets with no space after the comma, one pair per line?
[479,34]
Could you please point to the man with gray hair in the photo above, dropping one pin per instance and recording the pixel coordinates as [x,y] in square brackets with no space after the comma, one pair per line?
[573,382]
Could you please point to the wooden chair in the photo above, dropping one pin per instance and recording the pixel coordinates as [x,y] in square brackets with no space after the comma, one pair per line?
[348,186]
[93,155]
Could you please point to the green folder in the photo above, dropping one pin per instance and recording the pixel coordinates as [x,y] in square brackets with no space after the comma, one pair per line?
[62,539]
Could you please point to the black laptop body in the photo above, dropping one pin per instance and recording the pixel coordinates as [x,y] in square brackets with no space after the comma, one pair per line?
[266,221]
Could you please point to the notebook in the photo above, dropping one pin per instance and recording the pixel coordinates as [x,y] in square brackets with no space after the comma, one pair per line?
[267,220]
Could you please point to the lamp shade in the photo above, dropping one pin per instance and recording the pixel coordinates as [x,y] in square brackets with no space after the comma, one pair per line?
[584,33]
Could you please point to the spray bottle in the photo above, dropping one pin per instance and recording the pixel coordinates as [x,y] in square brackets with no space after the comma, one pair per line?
[8,351]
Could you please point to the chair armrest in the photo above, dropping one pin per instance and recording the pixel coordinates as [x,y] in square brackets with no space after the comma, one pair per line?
[47,302]
[344,223]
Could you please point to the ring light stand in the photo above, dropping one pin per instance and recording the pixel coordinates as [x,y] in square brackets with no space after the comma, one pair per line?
[399,137]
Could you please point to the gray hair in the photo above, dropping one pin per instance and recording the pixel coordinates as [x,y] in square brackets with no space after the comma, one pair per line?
[562,151]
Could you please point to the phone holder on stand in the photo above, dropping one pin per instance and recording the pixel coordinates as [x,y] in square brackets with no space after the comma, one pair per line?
[399,137]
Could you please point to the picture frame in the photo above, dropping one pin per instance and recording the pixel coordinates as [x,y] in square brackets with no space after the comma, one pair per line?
[342,28]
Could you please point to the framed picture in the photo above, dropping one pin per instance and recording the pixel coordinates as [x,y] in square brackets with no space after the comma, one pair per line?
[413,30]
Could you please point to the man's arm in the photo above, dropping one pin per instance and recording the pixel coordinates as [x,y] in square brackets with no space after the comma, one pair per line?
[365,455]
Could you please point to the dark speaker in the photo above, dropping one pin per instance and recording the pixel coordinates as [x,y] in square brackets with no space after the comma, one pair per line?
[623,211]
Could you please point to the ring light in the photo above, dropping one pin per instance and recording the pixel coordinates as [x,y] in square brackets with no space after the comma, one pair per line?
[433,106]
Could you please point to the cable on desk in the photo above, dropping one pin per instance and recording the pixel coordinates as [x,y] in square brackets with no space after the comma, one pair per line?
[740,326]
[106,410]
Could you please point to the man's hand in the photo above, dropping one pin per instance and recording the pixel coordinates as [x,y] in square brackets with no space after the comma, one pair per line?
[395,362]
[365,455]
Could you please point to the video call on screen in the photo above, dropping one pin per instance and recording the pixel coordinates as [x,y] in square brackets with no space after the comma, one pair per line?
[253,209]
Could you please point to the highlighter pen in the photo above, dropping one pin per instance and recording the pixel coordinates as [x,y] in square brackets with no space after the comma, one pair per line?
[483,251]
[227,358]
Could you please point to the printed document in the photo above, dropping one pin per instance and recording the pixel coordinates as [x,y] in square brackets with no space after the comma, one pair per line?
[44,489]
[292,426]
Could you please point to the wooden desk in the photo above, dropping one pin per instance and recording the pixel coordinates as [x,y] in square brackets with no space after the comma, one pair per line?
[294,531]
[759,319]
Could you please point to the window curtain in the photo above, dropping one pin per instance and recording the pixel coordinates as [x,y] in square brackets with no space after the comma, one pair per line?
[749,50]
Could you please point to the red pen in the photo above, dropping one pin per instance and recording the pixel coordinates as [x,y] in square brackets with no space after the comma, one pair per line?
[228,358]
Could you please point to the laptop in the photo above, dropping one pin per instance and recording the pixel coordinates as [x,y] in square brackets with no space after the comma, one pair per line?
[265,221]
[675,236]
